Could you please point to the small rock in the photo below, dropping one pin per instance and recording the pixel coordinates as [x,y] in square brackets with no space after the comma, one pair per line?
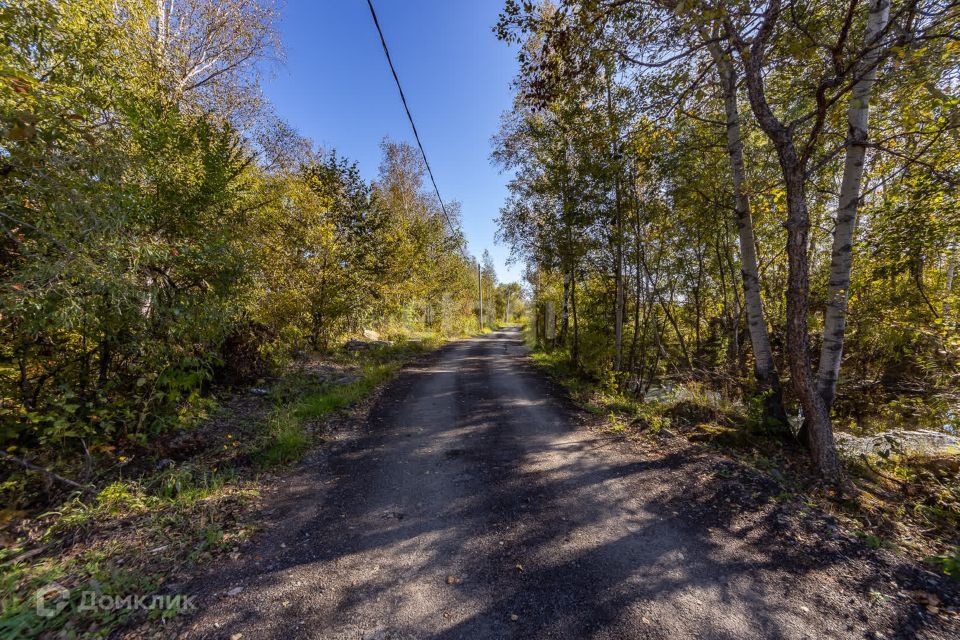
[235,591]
[514,617]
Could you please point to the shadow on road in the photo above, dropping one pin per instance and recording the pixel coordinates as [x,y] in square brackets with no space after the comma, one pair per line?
[472,506]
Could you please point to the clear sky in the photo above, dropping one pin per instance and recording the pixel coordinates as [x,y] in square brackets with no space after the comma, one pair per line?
[335,87]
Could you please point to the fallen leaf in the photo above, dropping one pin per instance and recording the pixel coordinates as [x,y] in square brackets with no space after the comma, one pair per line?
[451,579]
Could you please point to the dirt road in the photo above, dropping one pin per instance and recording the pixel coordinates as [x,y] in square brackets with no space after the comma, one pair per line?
[473,505]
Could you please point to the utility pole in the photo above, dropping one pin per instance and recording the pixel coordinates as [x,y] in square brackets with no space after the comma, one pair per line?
[480,292]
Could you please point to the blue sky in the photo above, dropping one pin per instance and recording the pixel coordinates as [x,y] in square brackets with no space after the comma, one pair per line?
[335,87]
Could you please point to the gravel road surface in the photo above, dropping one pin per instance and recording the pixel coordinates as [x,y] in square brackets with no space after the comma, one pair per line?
[474,503]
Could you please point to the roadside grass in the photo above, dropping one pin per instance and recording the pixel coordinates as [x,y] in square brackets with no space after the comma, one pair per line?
[623,413]
[301,402]
[903,503]
[319,405]
[286,436]
[138,535]
[126,541]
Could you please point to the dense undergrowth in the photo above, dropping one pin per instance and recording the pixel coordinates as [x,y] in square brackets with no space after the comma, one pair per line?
[163,234]
[907,503]
[153,524]
[744,199]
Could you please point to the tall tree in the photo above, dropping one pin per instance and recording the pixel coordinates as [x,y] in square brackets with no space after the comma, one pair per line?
[765,369]
[864,75]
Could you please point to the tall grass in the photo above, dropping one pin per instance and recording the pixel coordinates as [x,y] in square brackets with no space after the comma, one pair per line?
[325,402]
[284,439]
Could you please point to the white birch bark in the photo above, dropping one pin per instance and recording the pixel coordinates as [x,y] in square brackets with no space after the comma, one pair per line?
[819,432]
[617,231]
[841,260]
[948,288]
[764,366]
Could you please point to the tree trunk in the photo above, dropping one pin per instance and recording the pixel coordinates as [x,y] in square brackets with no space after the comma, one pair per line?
[636,323]
[948,285]
[698,300]
[565,308]
[106,353]
[617,232]
[841,260]
[658,351]
[24,383]
[820,431]
[637,248]
[817,416]
[619,304]
[765,369]
[575,351]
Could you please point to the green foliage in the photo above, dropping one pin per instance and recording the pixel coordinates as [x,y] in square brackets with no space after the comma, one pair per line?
[319,405]
[758,419]
[622,201]
[871,540]
[135,531]
[285,438]
[121,247]
[350,255]
[286,435]
[949,563]
[160,230]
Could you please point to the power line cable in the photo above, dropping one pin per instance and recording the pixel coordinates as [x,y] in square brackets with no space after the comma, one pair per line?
[406,108]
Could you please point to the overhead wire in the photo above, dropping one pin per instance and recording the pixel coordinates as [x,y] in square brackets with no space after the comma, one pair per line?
[413,126]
